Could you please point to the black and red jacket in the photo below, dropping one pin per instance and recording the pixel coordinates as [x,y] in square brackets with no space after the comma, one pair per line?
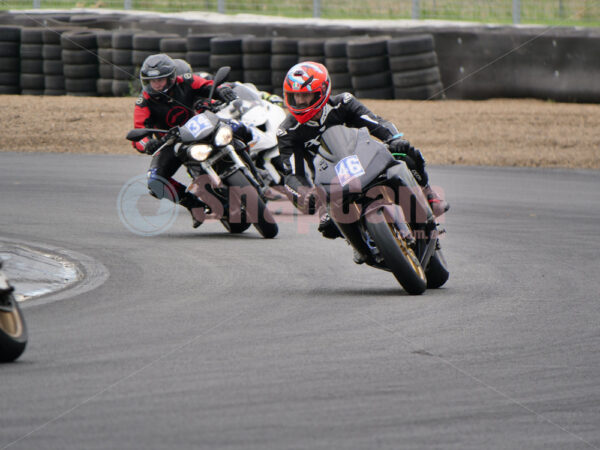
[173,109]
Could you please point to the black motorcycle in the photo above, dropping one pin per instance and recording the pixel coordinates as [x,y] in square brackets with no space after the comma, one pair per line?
[13,331]
[379,208]
[224,176]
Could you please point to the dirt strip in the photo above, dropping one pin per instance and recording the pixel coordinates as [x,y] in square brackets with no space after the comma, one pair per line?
[497,132]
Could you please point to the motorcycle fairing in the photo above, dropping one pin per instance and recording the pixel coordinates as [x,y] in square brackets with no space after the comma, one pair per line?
[339,143]
[198,127]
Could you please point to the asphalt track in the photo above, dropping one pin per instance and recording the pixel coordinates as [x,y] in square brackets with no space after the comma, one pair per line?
[199,339]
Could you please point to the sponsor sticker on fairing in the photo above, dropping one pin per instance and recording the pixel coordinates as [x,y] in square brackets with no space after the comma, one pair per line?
[348,169]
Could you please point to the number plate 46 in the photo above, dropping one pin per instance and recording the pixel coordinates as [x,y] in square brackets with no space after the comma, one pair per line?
[348,169]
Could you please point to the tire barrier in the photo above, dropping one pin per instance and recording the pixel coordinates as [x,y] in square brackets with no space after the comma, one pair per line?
[32,62]
[424,62]
[369,68]
[284,54]
[227,51]
[80,62]
[414,68]
[198,51]
[104,84]
[124,70]
[54,78]
[10,60]
[336,61]
[256,61]
[311,50]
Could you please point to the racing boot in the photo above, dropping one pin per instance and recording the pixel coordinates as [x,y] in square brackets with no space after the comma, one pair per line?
[328,228]
[438,205]
[197,208]
[357,256]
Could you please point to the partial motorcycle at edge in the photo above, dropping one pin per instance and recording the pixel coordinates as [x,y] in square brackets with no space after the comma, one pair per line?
[13,330]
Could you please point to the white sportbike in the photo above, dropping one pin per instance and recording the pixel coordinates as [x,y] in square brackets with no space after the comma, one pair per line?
[264,118]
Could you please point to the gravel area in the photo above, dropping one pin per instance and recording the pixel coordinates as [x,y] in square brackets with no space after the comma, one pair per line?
[498,132]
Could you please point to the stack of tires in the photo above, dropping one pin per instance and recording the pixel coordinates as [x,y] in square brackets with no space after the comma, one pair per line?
[311,50]
[198,51]
[105,63]
[284,55]
[414,66]
[123,67]
[10,66]
[80,62]
[32,61]
[54,78]
[369,68]
[227,51]
[256,60]
[336,61]
[175,47]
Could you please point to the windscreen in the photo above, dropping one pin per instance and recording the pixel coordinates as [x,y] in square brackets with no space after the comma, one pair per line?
[246,93]
[341,141]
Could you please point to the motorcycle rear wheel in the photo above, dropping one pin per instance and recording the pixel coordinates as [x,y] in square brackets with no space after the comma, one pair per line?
[13,330]
[265,223]
[398,257]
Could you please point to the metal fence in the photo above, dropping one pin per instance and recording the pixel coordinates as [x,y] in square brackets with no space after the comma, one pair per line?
[551,12]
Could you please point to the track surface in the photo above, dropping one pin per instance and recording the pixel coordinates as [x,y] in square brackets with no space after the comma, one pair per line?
[199,339]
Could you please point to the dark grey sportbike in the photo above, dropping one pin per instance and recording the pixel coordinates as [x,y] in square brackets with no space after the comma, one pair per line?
[13,331]
[379,208]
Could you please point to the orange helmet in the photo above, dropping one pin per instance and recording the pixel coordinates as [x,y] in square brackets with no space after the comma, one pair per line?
[306,77]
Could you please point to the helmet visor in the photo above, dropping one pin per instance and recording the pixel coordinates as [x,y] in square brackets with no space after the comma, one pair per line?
[302,101]
[155,85]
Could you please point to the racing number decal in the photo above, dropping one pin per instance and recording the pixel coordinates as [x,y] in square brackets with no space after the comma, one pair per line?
[196,124]
[348,169]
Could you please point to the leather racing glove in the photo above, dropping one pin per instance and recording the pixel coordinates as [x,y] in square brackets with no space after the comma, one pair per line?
[226,94]
[151,146]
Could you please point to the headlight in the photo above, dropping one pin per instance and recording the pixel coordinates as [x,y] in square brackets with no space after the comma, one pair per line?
[200,152]
[224,135]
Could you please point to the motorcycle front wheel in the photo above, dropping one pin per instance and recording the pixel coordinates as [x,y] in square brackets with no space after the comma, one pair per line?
[264,221]
[236,227]
[13,331]
[397,255]
[437,271]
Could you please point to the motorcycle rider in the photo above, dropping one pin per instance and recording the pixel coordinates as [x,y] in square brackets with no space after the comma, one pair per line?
[166,101]
[307,89]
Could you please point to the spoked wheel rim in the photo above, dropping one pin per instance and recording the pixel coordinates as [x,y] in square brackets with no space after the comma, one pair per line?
[407,251]
[11,323]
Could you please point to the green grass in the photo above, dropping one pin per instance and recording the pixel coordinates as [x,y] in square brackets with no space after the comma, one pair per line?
[544,12]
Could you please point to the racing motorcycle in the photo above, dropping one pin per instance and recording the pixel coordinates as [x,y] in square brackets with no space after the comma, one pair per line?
[223,174]
[13,331]
[379,208]
[264,118]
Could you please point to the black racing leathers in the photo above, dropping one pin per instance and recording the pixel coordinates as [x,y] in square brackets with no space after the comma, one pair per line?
[302,142]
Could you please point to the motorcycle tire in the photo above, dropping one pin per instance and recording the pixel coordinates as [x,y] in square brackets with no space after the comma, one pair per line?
[398,257]
[236,227]
[437,271]
[265,223]
[13,330]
